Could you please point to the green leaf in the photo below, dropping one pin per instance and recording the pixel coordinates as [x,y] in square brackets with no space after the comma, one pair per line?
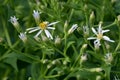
[12,61]
[24,57]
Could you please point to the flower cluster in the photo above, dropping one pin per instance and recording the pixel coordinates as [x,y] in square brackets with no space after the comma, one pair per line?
[45,26]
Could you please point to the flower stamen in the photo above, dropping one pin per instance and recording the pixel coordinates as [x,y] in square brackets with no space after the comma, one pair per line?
[99,36]
[43,25]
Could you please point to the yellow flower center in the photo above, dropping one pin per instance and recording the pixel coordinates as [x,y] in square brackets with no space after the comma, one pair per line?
[100,36]
[43,25]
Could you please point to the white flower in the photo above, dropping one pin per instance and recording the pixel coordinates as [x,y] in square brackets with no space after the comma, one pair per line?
[14,21]
[36,15]
[43,26]
[99,34]
[74,26]
[23,37]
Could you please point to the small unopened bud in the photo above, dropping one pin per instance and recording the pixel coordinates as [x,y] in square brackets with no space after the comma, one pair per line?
[98,77]
[36,16]
[92,17]
[15,23]
[29,78]
[71,30]
[107,46]
[1,39]
[54,62]
[83,57]
[23,37]
[113,1]
[97,44]
[57,40]
[65,26]
[60,72]
[49,66]
[45,61]
[108,58]
[5,78]
[84,46]
[85,31]
[100,23]
[118,19]
[44,38]
[78,77]
[65,62]
[85,7]
[96,69]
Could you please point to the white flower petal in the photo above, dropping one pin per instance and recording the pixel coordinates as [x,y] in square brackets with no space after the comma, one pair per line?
[52,23]
[99,29]
[103,31]
[48,34]
[33,30]
[90,38]
[108,39]
[50,28]
[38,33]
[94,31]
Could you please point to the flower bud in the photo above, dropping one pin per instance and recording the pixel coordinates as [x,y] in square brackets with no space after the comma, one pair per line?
[113,1]
[49,66]
[71,30]
[85,7]
[1,39]
[83,57]
[97,44]
[98,77]
[96,69]
[84,46]
[92,17]
[36,16]
[118,19]
[15,23]
[45,61]
[65,26]
[57,40]
[23,37]
[107,46]
[108,58]
[85,31]
[44,38]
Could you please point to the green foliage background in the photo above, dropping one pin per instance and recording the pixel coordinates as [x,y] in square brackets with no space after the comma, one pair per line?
[30,60]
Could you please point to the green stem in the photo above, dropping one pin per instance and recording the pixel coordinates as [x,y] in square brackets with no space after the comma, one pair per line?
[52,76]
[110,25]
[9,50]
[6,33]
[70,15]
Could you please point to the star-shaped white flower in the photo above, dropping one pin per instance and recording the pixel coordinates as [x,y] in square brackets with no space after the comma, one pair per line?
[99,35]
[43,26]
